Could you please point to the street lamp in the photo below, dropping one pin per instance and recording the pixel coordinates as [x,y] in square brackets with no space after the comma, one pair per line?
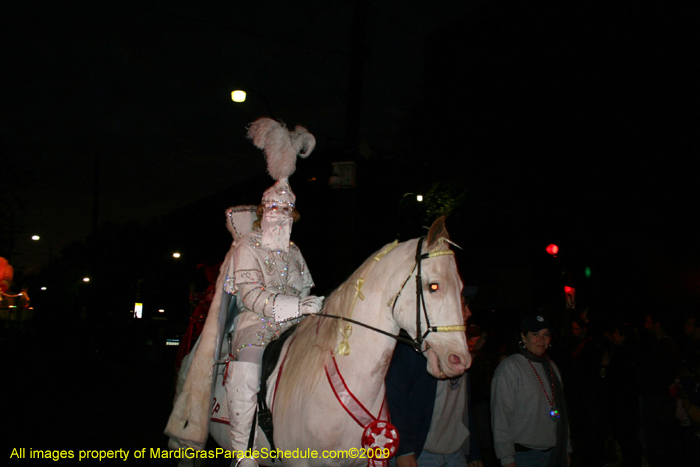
[36,238]
[419,198]
[239,96]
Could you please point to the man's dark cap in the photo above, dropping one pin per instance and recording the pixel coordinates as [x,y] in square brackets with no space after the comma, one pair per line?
[534,323]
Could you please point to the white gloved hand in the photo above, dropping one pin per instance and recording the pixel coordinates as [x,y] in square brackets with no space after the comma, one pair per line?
[311,305]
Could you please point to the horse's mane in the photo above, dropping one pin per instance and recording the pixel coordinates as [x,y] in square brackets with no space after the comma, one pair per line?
[315,338]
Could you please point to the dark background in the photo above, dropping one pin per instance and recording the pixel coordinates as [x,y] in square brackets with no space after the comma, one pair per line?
[528,123]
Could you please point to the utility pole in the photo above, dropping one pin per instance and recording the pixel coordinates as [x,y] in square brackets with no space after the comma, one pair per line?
[347,197]
[96,194]
[356,75]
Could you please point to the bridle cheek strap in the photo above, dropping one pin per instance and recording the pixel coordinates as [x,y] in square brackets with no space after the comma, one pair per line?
[420,300]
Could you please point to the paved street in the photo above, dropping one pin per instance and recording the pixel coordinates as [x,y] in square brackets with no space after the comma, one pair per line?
[84,387]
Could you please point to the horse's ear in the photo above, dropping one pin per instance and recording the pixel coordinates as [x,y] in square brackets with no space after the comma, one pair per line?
[437,230]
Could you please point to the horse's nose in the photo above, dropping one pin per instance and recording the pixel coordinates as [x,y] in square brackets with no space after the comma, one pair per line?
[457,362]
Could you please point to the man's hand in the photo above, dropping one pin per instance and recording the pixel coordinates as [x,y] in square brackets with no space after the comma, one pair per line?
[311,305]
[409,460]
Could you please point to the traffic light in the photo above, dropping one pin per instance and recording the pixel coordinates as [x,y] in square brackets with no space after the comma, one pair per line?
[552,249]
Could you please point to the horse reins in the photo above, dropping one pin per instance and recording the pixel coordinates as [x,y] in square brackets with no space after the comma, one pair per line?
[416,342]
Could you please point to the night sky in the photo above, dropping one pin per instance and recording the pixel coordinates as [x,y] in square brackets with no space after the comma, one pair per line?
[145,86]
[558,123]
[536,121]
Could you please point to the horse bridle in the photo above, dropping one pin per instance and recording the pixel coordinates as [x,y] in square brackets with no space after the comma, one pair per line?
[416,342]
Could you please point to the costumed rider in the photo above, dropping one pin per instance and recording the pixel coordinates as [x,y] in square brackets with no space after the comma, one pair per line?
[270,280]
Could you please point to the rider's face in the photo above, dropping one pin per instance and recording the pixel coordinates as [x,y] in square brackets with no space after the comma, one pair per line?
[277,211]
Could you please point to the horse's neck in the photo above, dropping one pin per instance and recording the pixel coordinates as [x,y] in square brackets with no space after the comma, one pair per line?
[365,367]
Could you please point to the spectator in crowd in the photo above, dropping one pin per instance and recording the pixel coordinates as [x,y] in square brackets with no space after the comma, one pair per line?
[483,346]
[432,416]
[658,372]
[584,393]
[529,415]
[687,394]
[571,345]
[573,341]
[620,393]
[690,343]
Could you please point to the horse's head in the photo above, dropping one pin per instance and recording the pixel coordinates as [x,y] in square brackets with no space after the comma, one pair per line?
[445,341]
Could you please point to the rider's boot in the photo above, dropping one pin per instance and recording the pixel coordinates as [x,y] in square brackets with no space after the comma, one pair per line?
[242,386]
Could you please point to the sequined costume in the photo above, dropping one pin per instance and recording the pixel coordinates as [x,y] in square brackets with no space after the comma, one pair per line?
[261,281]
[267,275]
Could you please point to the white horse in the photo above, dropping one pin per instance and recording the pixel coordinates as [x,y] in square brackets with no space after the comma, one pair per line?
[382,294]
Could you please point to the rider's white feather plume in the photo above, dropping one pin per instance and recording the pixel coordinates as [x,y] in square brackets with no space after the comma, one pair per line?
[280,145]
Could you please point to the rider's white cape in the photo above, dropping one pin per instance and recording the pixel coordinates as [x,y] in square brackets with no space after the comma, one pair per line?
[188,425]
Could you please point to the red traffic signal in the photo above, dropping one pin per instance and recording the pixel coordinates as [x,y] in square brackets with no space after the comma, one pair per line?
[552,249]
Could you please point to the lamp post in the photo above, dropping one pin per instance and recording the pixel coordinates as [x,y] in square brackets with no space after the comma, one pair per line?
[419,198]
[37,238]
[240,94]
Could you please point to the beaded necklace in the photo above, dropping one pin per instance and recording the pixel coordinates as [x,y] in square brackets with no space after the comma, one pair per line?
[553,413]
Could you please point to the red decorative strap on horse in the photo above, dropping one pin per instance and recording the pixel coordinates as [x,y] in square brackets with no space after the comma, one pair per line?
[378,435]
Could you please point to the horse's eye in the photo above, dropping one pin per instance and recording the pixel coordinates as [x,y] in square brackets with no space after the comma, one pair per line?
[434,287]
